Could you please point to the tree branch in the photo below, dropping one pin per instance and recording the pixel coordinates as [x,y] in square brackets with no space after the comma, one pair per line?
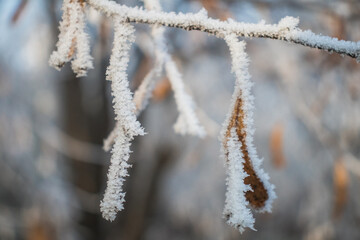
[285,30]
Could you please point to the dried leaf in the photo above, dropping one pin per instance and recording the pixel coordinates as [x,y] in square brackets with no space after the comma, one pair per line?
[276,146]
[214,7]
[259,195]
[341,183]
[162,89]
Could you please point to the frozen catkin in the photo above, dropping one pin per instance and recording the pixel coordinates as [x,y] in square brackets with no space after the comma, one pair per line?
[249,180]
[73,44]
[127,126]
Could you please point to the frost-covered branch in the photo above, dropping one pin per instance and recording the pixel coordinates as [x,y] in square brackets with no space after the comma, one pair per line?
[285,30]
[114,196]
[248,185]
[187,122]
[127,126]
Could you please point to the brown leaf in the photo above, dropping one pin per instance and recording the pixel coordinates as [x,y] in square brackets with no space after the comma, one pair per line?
[258,197]
[276,146]
[341,183]
[214,8]
[162,89]
[38,226]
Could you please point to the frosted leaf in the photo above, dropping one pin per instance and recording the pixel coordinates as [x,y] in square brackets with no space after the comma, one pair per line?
[239,121]
[236,210]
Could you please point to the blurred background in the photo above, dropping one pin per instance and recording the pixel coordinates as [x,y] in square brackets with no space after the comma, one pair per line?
[52,125]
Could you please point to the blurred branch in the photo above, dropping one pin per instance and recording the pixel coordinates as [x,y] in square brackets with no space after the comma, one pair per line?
[313,122]
[19,11]
[214,6]
[71,147]
[352,164]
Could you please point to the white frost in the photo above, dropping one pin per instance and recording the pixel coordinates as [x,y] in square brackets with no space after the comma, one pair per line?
[83,59]
[236,210]
[124,106]
[114,196]
[127,127]
[73,41]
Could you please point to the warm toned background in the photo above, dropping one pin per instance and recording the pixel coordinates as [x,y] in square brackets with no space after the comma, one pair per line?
[53,169]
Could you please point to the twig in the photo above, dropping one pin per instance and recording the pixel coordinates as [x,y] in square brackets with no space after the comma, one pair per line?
[286,30]
[71,147]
